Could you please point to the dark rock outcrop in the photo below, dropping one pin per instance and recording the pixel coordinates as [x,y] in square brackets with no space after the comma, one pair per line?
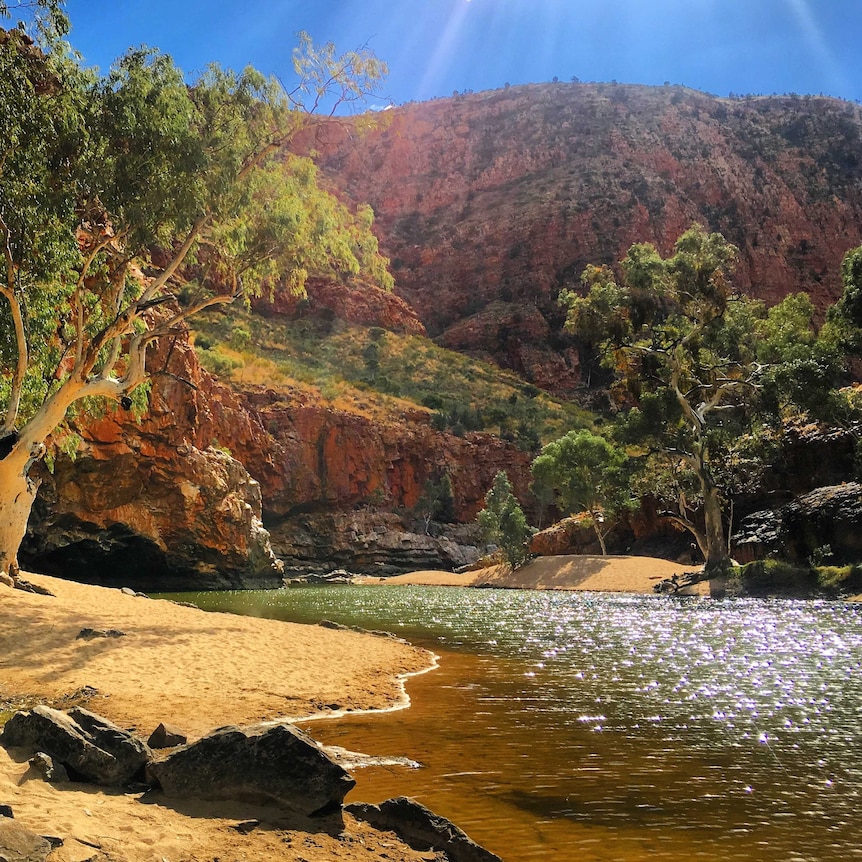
[421,828]
[270,764]
[826,516]
[369,543]
[88,745]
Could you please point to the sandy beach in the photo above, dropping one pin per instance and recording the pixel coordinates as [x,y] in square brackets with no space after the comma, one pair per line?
[616,574]
[197,671]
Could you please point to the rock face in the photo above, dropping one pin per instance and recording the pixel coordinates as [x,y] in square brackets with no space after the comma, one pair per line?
[369,543]
[357,302]
[568,536]
[191,520]
[90,746]
[270,764]
[322,457]
[826,516]
[488,204]
[157,501]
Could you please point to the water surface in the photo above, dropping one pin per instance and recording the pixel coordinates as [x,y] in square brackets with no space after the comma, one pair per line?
[567,726]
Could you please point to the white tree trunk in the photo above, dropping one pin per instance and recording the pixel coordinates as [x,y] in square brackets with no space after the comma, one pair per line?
[17,493]
[17,490]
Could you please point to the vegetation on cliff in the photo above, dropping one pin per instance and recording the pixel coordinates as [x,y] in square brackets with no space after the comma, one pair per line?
[97,172]
[386,372]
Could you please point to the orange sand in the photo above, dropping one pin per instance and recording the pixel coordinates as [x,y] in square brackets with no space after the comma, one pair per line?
[600,574]
[198,671]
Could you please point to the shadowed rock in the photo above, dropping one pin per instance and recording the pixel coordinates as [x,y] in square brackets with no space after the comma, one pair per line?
[167,736]
[275,764]
[45,767]
[421,828]
[89,745]
[19,844]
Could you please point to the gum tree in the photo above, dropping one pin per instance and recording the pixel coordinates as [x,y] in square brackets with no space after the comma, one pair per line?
[503,523]
[585,473]
[115,191]
[700,372]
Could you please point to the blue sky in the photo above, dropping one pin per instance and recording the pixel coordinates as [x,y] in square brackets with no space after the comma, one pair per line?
[434,47]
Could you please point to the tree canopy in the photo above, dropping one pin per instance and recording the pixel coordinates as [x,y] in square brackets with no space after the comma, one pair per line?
[117,191]
[699,371]
[503,522]
[586,474]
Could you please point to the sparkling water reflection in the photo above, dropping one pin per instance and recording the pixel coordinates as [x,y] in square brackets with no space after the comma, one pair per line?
[575,726]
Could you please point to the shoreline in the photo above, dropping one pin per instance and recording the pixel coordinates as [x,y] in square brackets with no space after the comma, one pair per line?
[196,670]
[578,573]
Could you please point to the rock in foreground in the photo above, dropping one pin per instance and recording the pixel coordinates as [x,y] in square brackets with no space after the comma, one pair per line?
[269,764]
[19,844]
[91,746]
[421,828]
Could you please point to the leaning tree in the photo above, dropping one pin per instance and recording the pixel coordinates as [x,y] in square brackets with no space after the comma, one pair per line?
[115,191]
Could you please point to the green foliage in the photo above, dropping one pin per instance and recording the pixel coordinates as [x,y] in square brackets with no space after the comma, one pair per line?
[463,394]
[848,309]
[218,363]
[503,522]
[437,502]
[44,16]
[838,577]
[586,473]
[780,577]
[700,370]
[96,172]
[772,577]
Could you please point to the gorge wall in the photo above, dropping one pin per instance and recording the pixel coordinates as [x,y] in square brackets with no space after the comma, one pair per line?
[489,203]
[176,499]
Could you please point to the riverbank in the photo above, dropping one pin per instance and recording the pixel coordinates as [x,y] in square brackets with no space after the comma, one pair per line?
[616,574]
[197,671]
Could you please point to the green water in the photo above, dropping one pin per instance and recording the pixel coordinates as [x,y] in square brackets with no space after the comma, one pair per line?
[598,727]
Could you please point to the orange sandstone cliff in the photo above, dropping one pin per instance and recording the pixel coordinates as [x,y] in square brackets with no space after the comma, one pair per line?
[489,203]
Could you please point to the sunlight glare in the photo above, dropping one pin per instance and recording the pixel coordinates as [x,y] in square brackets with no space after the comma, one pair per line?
[817,42]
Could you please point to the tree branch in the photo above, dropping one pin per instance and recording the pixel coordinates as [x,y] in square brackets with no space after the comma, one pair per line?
[8,291]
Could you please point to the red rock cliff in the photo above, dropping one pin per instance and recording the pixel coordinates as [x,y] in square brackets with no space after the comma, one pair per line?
[489,203]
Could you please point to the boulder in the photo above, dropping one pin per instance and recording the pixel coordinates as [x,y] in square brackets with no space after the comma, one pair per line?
[167,736]
[265,764]
[85,743]
[421,828]
[45,767]
[19,844]
[829,516]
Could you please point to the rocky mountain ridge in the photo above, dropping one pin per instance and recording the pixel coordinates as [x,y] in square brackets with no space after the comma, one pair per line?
[489,203]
